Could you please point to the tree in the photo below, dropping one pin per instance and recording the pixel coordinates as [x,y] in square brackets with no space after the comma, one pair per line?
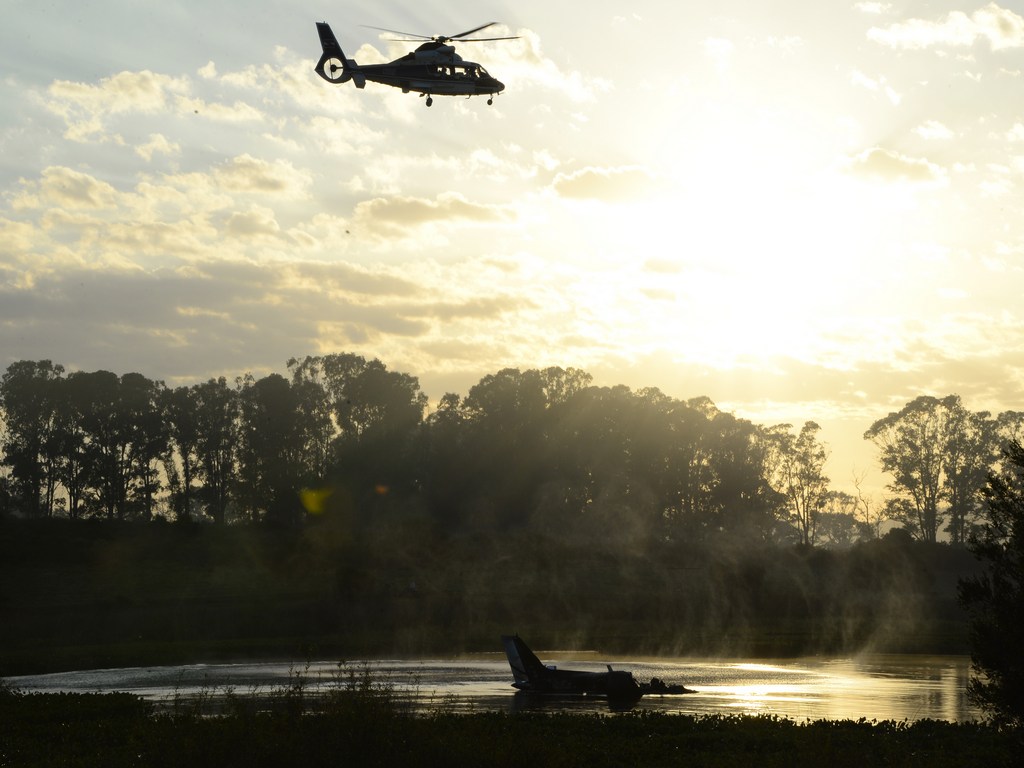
[837,524]
[504,446]
[141,406]
[441,471]
[691,465]
[937,453]
[70,445]
[799,476]
[744,502]
[182,465]
[869,518]
[107,444]
[216,416]
[969,451]
[995,598]
[27,395]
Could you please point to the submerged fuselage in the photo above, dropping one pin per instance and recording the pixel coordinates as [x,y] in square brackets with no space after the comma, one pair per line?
[532,676]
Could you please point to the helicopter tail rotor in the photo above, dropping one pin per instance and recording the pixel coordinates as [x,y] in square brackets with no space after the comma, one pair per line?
[333,66]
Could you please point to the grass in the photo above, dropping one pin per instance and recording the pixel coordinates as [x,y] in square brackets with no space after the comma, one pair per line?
[362,722]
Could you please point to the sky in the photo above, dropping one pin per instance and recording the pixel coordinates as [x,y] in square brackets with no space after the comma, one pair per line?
[803,209]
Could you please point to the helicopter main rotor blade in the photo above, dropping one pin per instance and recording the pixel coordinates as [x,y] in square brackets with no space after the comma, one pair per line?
[396,32]
[413,37]
[485,39]
[471,31]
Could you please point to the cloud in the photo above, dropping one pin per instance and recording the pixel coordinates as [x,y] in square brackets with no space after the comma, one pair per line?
[340,277]
[860,80]
[251,174]
[933,130]
[720,51]
[224,210]
[888,165]
[390,216]
[141,92]
[66,188]
[258,222]
[246,174]
[479,308]
[610,184]
[523,66]
[1002,28]
[158,144]
[86,109]
[873,8]
[663,266]
[239,112]
[203,318]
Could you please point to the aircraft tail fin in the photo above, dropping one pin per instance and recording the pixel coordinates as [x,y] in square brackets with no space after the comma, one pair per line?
[525,665]
[333,66]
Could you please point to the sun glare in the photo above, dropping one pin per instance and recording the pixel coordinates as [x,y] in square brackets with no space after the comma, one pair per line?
[753,250]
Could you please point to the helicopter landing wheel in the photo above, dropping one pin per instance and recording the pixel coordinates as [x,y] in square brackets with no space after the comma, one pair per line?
[429,101]
[490,101]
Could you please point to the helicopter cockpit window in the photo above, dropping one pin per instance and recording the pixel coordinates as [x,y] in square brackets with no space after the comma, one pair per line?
[466,73]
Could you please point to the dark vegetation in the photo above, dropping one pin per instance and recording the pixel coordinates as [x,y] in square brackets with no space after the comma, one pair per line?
[995,597]
[539,450]
[367,726]
[80,594]
[327,513]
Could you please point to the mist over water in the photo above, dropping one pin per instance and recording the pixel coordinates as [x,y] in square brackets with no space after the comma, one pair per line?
[872,687]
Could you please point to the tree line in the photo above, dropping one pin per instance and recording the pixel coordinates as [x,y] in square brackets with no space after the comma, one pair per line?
[541,449]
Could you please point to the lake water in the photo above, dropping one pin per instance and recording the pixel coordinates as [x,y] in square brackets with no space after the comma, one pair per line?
[873,687]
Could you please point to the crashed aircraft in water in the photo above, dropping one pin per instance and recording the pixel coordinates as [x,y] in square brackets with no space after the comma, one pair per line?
[531,676]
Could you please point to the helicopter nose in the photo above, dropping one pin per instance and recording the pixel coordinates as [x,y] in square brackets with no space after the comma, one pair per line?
[499,85]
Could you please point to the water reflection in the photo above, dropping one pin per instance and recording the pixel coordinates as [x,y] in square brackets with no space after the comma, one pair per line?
[874,687]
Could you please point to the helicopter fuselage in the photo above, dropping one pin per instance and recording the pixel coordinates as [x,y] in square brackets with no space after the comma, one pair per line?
[432,69]
[434,72]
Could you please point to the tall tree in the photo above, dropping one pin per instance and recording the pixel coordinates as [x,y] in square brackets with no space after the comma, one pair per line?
[995,598]
[505,446]
[561,384]
[838,525]
[441,471]
[334,374]
[910,442]
[123,437]
[316,430]
[107,454]
[937,453]
[969,452]
[692,462]
[866,511]
[70,446]
[28,398]
[745,503]
[141,405]
[217,428]
[270,450]
[799,475]
[182,465]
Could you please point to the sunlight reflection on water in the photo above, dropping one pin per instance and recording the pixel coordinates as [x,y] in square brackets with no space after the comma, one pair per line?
[874,687]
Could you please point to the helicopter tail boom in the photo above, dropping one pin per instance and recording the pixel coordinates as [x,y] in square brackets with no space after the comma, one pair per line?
[333,66]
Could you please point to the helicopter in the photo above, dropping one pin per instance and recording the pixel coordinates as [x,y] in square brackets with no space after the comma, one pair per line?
[434,68]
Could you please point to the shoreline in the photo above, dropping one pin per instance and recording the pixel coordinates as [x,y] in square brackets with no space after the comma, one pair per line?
[369,726]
